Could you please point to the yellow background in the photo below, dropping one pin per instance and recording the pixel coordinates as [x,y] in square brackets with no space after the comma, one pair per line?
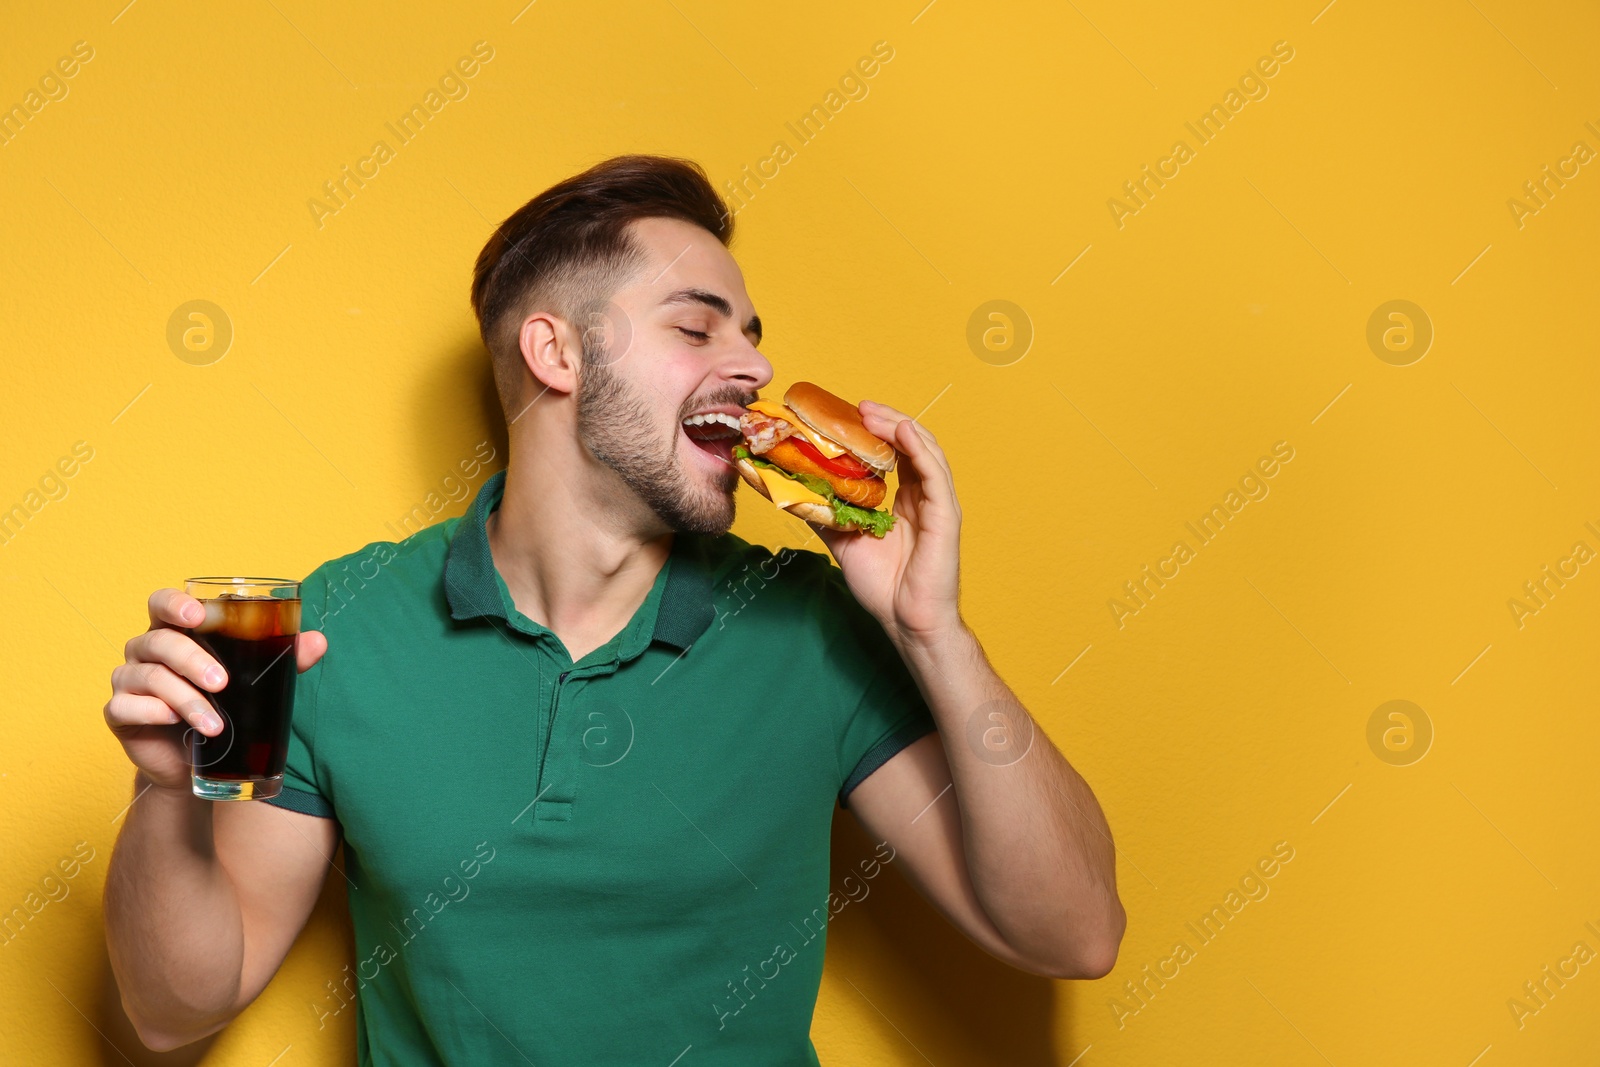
[1227,715]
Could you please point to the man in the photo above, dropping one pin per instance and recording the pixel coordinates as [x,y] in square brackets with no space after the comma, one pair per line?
[582,745]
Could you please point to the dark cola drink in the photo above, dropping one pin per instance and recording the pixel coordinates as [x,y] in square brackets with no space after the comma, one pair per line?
[250,628]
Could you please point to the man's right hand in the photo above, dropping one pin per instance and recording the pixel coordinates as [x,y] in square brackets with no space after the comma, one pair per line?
[158,694]
[190,943]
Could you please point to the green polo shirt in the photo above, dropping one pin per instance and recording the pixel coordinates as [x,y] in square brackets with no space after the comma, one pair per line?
[622,860]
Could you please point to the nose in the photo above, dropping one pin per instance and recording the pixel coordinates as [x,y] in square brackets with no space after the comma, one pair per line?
[747,367]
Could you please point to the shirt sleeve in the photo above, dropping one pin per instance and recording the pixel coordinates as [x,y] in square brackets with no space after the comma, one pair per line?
[300,791]
[879,708]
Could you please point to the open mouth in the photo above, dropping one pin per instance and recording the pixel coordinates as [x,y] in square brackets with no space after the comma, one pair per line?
[714,434]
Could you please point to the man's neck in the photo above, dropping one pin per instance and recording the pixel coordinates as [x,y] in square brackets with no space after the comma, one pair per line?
[567,563]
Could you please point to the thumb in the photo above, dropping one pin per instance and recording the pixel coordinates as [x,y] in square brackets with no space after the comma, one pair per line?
[308,649]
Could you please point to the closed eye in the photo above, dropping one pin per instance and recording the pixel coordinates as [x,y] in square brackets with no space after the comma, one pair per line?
[695,335]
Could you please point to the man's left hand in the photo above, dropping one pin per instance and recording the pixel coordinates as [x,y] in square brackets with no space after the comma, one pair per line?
[908,578]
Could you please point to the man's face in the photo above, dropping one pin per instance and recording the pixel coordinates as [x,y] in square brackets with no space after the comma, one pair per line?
[677,341]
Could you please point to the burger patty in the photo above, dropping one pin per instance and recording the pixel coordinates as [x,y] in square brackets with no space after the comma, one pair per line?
[863,492]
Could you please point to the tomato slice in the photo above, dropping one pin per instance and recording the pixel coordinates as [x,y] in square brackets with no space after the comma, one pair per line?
[845,466]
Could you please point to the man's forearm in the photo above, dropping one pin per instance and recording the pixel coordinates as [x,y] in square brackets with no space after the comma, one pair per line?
[173,922]
[1038,848]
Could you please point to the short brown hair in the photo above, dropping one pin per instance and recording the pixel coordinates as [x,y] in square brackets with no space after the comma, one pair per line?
[569,248]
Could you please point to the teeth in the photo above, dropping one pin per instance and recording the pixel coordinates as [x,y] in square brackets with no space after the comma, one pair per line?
[714,418]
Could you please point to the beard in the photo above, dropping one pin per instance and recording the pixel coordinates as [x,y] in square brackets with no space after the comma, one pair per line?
[612,418]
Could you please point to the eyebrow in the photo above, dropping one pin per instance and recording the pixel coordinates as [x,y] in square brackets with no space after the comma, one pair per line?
[714,302]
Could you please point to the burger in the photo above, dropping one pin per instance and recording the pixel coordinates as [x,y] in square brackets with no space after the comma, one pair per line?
[813,457]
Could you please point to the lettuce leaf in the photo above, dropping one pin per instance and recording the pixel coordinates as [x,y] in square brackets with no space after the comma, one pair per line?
[872,521]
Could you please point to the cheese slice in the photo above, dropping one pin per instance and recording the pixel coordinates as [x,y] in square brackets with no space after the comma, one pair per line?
[774,410]
[786,492]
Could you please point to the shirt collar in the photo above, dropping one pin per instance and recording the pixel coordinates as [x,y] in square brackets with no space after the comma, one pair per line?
[472,587]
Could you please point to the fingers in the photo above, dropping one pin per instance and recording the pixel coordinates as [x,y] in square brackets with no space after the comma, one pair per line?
[917,442]
[181,653]
[868,407]
[153,688]
[132,709]
[890,419]
[158,680]
[881,419]
[174,607]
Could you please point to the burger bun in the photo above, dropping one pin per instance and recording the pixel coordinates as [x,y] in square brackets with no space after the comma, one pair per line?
[840,422]
[819,514]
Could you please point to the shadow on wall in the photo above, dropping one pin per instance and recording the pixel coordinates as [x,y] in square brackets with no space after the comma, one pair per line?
[121,1044]
[327,943]
[934,988]
[457,408]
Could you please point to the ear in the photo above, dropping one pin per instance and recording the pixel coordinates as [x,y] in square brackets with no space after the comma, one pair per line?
[551,352]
